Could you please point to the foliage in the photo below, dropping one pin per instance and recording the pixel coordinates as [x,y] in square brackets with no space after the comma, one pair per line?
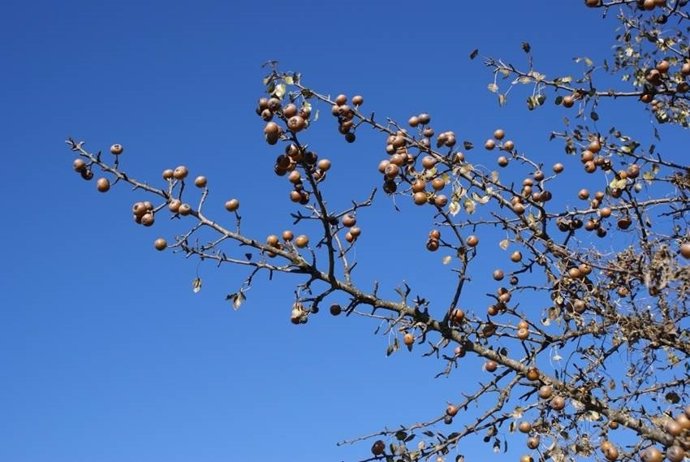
[605,298]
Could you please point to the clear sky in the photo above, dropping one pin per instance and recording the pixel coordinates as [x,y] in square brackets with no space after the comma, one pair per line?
[106,354]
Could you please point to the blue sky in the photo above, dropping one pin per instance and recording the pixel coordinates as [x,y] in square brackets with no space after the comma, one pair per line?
[105,352]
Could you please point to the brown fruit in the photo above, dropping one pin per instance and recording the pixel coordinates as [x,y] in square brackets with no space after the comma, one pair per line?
[489,144]
[568,101]
[200,182]
[452,410]
[683,421]
[610,452]
[522,333]
[472,241]
[533,373]
[232,205]
[272,240]
[168,174]
[545,391]
[357,100]
[174,205]
[335,309]
[526,458]
[272,129]
[583,194]
[160,244]
[592,3]
[675,454]
[558,167]
[499,133]
[509,145]
[86,174]
[428,162]
[147,219]
[557,403]
[533,442]
[180,173]
[652,454]
[356,231]
[440,200]
[116,149]
[408,339]
[103,185]
[413,121]
[516,256]
[432,245]
[438,184]
[349,220]
[673,428]
[296,123]
[378,447]
[418,186]
[324,164]
[524,426]
[424,118]
[340,100]
[458,315]
[498,274]
[79,165]
[184,209]
[420,198]
[302,241]
[287,235]
[685,252]
[490,366]
[502,161]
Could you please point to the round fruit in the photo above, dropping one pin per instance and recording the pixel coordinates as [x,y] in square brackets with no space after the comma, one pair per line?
[458,315]
[452,410]
[652,454]
[335,309]
[272,240]
[522,333]
[499,133]
[296,123]
[324,164]
[103,185]
[489,144]
[675,454]
[685,252]
[524,426]
[184,209]
[533,373]
[86,174]
[557,403]
[516,256]
[683,421]
[472,241]
[160,244]
[79,165]
[491,366]
[349,220]
[200,182]
[287,235]
[568,101]
[232,205]
[545,391]
[498,274]
[167,174]
[533,442]
[180,172]
[147,219]
[357,100]
[420,198]
[592,3]
[408,339]
[116,149]
[302,241]
[173,205]
[558,168]
[673,428]
[610,452]
[509,145]
[526,458]
[378,447]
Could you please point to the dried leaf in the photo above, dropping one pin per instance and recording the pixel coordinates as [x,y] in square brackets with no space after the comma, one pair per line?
[196,285]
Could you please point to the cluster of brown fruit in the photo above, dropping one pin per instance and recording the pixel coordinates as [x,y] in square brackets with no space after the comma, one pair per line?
[289,238]
[349,221]
[295,119]
[346,115]
[286,164]
[143,213]
[80,166]
[642,4]
[433,242]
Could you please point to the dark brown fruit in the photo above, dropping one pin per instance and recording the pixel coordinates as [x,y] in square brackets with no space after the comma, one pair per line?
[79,165]
[378,447]
[472,241]
[490,366]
